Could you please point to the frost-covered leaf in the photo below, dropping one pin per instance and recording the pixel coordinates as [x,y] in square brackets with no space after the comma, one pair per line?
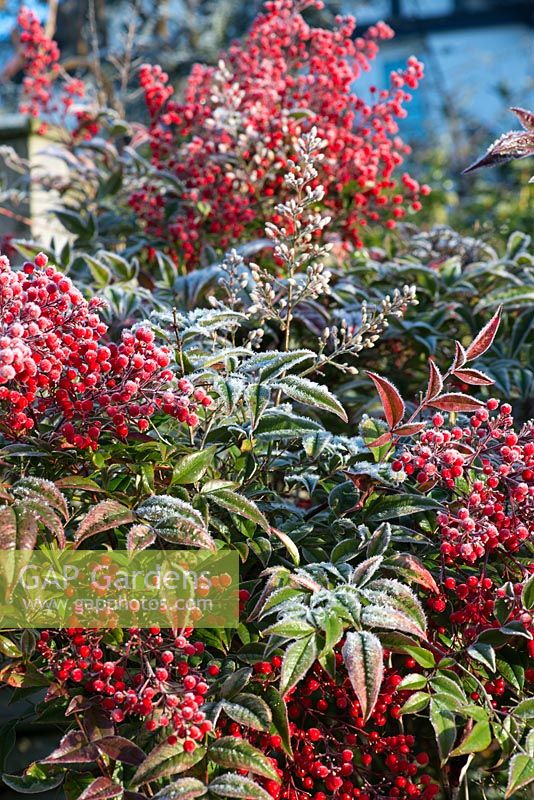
[104,516]
[298,659]
[182,789]
[249,710]
[240,505]
[456,401]
[374,616]
[362,573]
[399,505]
[363,657]
[44,491]
[191,467]
[435,381]
[72,749]
[140,537]
[238,786]
[401,597]
[166,760]
[521,773]
[473,377]
[273,363]
[392,402]
[511,145]
[310,393]
[176,521]
[413,569]
[485,338]
[234,753]
[230,390]
[379,541]
[101,789]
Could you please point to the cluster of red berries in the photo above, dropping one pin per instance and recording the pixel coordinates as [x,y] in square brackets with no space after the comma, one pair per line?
[56,367]
[47,90]
[232,138]
[157,679]
[494,501]
[336,754]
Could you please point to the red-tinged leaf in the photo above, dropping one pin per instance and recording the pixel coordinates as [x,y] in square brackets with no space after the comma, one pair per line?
[364,659]
[104,516]
[392,402]
[140,537]
[526,118]
[456,401]
[485,338]
[101,789]
[384,439]
[72,749]
[410,429]
[514,144]
[435,381]
[473,377]
[120,749]
[413,569]
[459,356]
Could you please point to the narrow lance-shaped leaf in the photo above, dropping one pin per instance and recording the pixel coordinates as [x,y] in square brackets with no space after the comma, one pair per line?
[312,394]
[364,659]
[101,789]
[456,401]
[240,505]
[239,754]
[473,377]
[233,785]
[182,789]
[298,659]
[484,339]
[104,516]
[435,381]
[392,402]
[521,773]
[509,146]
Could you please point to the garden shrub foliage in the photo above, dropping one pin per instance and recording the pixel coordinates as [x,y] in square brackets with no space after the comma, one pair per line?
[385,639]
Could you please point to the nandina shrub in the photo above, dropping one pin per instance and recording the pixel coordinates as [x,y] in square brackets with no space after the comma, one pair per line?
[386,590]
[217,157]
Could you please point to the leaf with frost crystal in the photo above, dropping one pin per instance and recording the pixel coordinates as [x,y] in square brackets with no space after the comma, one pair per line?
[402,598]
[240,505]
[101,789]
[165,760]
[176,521]
[18,528]
[249,710]
[104,516]
[363,657]
[273,362]
[298,659]
[139,538]
[239,754]
[521,773]
[392,402]
[44,491]
[233,785]
[182,789]
[312,394]
[384,617]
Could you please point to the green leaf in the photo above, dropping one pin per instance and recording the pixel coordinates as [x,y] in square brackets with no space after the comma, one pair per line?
[249,710]
[521,773]
[165,760]
[239,754]
[9,648]
[442,684]
[483,653]
[182,789]
[443,722]
[478,739]
[399,505]
[240,505]
[379,541]
[273,362]
[527,595]
[192,467]
[34,779]
[417,702]
[298,659]
[372,429]
[290,627]
[525,709]
[280,720]
[233,785]
[412,682]
[312,394]
[364,659]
